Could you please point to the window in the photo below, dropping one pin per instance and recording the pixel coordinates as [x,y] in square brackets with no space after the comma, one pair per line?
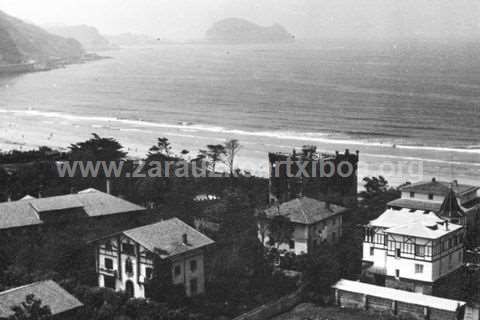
[148,273]
[108,246]
[177,270]
[397,273]
[128,266]
[372,250]
[418,268]
[108,264]
[419,250]
[109,282]
[334,236]
[449,243]
[128,248]
[397,252]
[334,221]
[291,244]
[193,286]
[430,196]
[412,194]
[193,265]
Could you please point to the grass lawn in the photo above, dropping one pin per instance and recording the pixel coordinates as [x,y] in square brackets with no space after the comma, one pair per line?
[310,311]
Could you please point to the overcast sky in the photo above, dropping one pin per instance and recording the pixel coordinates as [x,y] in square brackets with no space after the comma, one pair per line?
[189,19]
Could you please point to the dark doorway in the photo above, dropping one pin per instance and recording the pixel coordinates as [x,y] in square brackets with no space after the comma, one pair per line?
[129,289]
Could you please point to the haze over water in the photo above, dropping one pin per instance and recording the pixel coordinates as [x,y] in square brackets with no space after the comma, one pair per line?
[397,100]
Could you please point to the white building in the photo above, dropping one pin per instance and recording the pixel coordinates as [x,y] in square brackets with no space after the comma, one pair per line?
[460,201]
[412,249]
[129,260]
[314,222]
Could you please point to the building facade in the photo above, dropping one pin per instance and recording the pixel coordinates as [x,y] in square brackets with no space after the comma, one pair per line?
[129,261]
[313,222]
[412,249]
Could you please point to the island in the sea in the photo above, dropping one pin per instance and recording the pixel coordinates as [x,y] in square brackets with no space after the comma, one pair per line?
[235,30]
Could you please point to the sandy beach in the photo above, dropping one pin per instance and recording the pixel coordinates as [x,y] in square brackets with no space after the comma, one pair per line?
[29,129]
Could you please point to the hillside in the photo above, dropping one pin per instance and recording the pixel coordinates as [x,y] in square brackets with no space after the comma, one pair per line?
[21,42]
[234,30]
[88,36]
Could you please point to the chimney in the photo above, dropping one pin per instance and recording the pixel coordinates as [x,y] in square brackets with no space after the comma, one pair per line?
[9,198]
[39,194]
[184,238]
[455,183]
[107,182]
[327,205]
[434,179]
[446,225]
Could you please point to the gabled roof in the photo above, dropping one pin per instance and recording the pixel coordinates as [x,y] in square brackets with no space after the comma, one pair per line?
[305,210]
[450,207]
[25,212]
[166,238]
[51,294]
[399,295]
[440,188]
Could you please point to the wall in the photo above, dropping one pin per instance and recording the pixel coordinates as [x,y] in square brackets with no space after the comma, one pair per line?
[186,274]
[376,304]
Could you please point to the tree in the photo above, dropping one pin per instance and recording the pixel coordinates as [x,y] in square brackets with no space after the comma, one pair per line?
[281,230]
[97,149]
[31,309]
[161,151]
[231,149]
[216,153]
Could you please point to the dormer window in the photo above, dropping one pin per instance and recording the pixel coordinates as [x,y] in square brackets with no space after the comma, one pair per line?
[430,196]
[412,194]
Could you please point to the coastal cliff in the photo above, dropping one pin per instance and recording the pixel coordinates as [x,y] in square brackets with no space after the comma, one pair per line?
[234,30]
[21,42]
[88,36]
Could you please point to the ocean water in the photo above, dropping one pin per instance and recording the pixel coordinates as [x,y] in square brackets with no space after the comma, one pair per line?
[410,100]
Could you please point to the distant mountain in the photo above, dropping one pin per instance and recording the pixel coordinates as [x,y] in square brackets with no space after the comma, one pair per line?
[21,42]
[132,39]
[88,36]
[234,30]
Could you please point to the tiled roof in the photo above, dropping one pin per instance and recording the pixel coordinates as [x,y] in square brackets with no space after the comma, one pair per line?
[399,295]
[49,292]
[25,212]
[438,187]
[304,210]
[166,237]
[415,204]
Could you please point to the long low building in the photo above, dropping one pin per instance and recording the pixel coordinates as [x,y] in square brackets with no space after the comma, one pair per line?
[354,294]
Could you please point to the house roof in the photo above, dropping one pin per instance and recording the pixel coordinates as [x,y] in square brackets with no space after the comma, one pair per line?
[399,295]
[415,204]
[51,294]
[304,210]
[393,218]
[166,237]
[450,207]
[415,223]
[95,203]
[438,187]
[425,230]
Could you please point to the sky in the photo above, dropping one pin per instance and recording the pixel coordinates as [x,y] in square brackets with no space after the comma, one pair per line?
[189,19]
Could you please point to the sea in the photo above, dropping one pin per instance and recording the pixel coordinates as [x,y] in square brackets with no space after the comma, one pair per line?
[411,108]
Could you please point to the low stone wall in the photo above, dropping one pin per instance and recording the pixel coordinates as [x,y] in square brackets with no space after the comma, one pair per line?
[270,310]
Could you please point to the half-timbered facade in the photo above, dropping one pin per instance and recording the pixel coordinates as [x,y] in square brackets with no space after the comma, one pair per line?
[412,249]
[128,261]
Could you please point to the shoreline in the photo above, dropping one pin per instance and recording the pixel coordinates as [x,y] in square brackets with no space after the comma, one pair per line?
[29,129]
